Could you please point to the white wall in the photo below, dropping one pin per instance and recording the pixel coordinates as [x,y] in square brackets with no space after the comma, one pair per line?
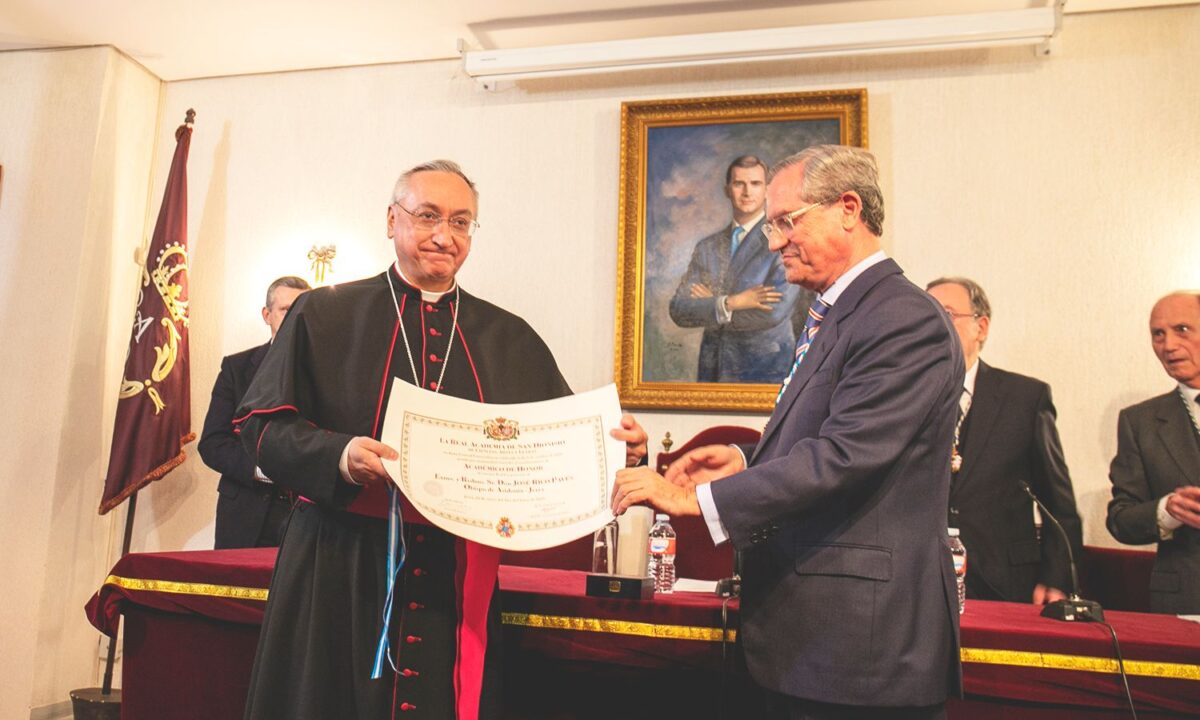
[1066,185]
[77,135]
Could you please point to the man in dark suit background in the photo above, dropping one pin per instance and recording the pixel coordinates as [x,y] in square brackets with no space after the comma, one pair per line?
[1155,474]
[735,289]
[849,608]
[1007,438]
[251,511]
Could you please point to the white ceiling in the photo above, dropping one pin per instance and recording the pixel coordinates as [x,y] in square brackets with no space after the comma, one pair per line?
[184,39]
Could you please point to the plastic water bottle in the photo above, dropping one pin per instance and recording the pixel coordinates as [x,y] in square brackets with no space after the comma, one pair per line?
[662,554]
[959,554]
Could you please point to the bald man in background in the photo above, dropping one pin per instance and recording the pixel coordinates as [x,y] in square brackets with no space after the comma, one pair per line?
[1155,498]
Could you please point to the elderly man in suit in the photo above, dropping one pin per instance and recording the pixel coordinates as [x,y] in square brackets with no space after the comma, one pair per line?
[735,289]
[848,603]
[251,511]
[1155,474]
[1007,441]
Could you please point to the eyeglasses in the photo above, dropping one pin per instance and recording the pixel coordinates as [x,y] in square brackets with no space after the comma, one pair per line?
[428,220]
[958,316]
[786,223]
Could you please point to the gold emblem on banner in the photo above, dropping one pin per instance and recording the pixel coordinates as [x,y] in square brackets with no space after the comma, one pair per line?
[171,262]
[505,528]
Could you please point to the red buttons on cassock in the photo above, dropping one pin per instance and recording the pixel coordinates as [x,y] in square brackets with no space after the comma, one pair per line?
[432,385]
[412,639]
[409,672]
[418,572]
[407,706]
[428,307]
[434,358]
[415,606]
[434,332]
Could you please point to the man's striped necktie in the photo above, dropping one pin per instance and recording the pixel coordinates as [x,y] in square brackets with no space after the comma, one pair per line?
[816,313]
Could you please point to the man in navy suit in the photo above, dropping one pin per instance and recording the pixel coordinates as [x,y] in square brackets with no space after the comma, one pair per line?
[1155,498]
[735,289]
[251,511]
[848,601]
[1007,441]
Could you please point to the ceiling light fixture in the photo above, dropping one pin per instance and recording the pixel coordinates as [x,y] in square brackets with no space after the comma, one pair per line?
[1032,26]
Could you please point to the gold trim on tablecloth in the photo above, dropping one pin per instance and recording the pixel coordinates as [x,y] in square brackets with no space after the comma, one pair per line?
[616,627]
[186,588]
[1081,663]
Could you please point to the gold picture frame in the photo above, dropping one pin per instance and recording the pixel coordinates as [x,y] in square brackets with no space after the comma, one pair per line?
[674,160]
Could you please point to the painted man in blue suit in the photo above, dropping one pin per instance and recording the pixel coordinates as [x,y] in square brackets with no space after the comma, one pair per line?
[736,290]
[848,598]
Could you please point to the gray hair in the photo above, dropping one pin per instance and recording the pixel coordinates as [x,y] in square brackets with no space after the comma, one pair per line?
[744,161]
[400,191]
[830,170]
[288,281]
[979,299]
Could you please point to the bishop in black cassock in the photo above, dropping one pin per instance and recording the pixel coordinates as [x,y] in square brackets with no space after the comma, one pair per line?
[326,382]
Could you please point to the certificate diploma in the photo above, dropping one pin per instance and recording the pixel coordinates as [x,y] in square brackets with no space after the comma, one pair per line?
[516,477]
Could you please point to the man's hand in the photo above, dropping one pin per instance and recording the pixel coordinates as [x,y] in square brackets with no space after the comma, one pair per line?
[364,463]
[761,297]
[643,486]
[634,437]
[705,464]
[1044,594]
[1184,505]
[701,291]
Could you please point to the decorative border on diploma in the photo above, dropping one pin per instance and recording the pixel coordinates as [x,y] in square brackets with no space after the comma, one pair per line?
[594,421]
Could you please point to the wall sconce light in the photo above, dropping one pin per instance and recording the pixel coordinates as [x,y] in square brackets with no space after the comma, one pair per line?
[322,261]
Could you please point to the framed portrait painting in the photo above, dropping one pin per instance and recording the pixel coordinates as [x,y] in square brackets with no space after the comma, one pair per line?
[705,319]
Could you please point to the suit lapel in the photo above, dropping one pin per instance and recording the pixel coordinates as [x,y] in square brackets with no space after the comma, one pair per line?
[752,244]
[827,338]
[1175,429]
[257,356]
[985,408]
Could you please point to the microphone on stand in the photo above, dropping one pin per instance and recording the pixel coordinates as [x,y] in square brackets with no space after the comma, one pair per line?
[732,586]
[1073,608]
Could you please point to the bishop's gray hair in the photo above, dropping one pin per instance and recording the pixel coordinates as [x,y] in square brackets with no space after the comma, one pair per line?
[400,191]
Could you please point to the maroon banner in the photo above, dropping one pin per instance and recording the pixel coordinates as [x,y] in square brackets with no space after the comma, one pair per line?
[154,413]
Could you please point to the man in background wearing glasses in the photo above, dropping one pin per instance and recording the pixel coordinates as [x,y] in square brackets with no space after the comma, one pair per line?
[311,420]
[848,598]
[1006,440]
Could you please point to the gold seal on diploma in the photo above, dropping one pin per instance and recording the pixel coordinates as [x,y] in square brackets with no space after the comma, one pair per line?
[505,528]
[502,429]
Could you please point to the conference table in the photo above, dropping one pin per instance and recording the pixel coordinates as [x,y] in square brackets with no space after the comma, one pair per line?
[191,623]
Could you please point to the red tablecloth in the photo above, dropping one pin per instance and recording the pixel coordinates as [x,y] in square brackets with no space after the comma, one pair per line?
[1009,652]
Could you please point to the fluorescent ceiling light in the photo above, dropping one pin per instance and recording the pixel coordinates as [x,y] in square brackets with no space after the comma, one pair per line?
[1012,27]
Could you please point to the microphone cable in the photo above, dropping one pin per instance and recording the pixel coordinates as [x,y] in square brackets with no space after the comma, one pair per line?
[1120,667]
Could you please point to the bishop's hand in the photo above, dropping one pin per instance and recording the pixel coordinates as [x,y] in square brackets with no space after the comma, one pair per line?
[364,462]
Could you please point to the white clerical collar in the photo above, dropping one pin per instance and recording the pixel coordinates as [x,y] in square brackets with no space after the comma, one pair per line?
[426,295]
[830,296]
[749,225]
[969,379]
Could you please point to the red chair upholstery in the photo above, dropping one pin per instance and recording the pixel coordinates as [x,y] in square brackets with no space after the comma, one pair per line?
[696,556]
[1118,579]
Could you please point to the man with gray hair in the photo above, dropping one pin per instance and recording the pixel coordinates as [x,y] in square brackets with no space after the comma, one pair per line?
[849,606]
[312,420]
[251,510]
[1006,440]
[1155,498]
